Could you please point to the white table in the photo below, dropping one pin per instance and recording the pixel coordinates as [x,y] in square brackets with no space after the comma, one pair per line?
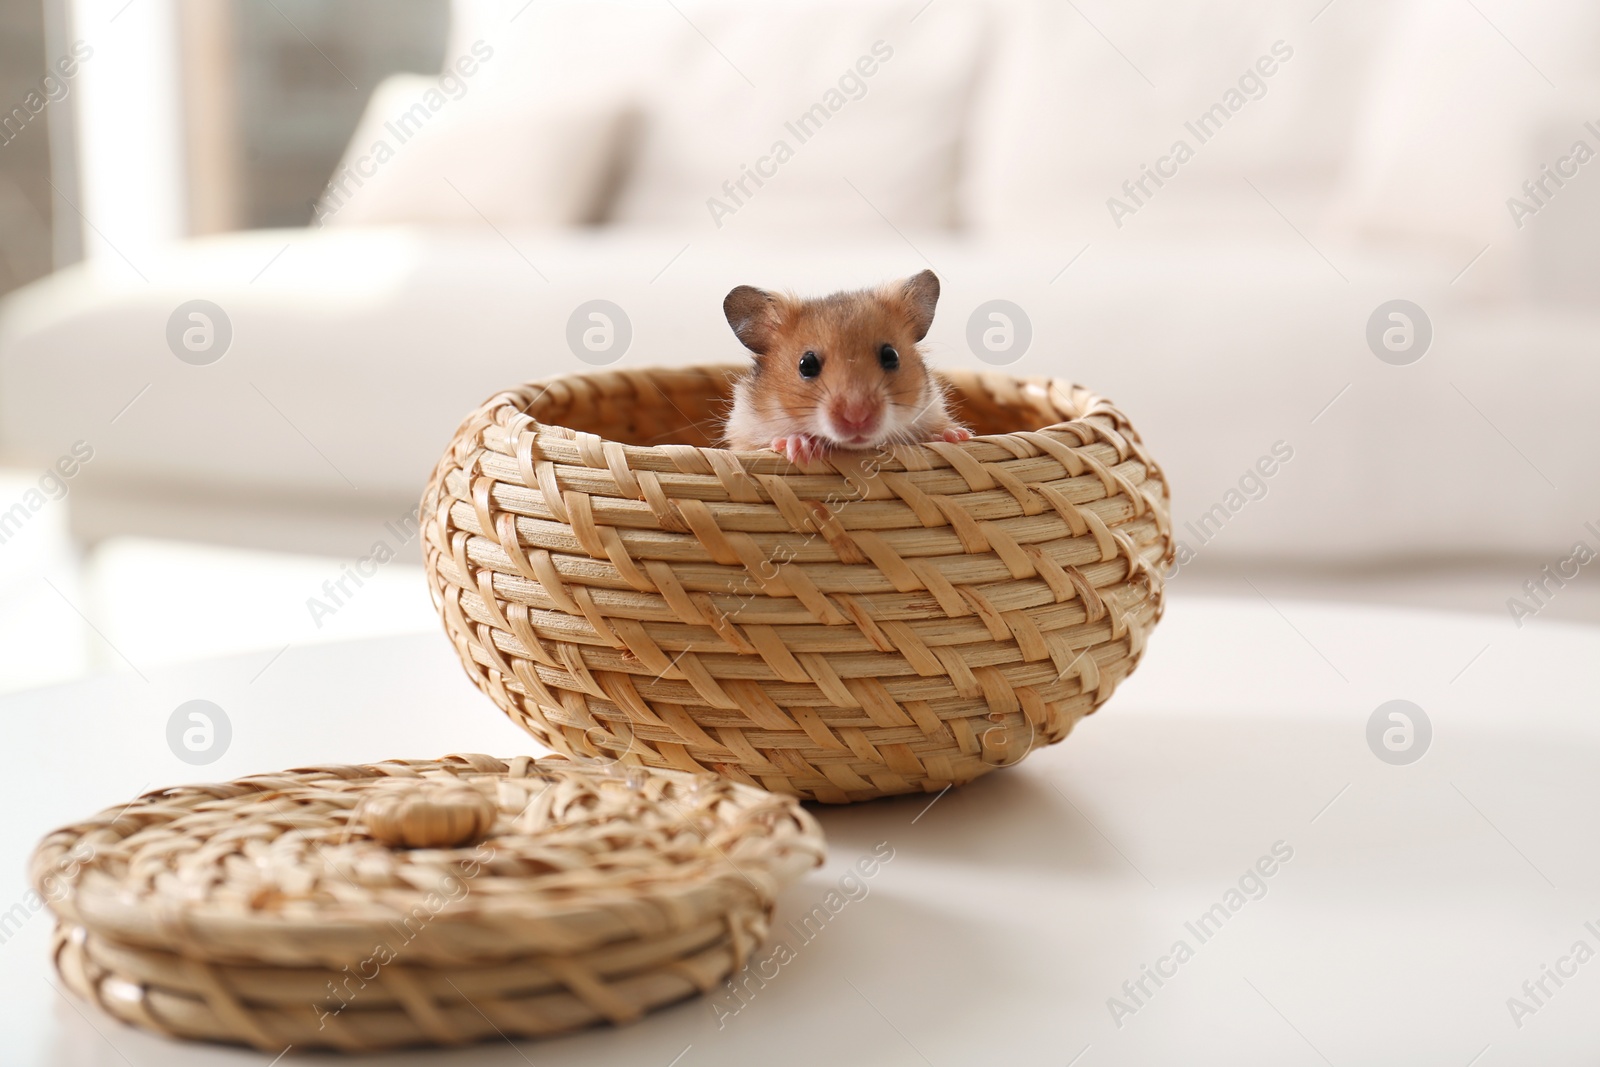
[1418,898]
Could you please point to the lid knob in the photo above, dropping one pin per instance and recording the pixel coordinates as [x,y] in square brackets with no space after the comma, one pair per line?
[428,815]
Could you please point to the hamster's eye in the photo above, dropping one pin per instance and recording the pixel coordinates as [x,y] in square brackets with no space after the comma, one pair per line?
[810,365]
[889,357]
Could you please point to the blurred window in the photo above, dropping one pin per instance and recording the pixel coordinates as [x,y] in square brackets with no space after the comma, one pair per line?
[303,72]
[25,198]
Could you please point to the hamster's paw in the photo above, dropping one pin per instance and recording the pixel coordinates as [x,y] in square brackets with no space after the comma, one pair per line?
[799,447]
[955,435]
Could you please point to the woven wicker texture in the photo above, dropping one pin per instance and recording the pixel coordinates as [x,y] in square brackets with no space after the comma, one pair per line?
[264,911]
[864,626]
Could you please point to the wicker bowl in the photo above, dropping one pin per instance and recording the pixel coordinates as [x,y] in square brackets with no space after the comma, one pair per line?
[866,625]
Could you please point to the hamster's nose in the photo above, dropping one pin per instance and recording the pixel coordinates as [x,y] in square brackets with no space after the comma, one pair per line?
[855,417]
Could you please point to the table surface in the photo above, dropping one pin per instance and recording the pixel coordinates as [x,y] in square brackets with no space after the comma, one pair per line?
[1020,917]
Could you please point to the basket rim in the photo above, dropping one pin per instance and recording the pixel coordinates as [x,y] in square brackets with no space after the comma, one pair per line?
[1097,419]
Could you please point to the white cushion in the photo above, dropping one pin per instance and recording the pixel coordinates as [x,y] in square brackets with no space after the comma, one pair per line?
[1082,95]
[460,150]
[1452,115]
[859,95]
[721,84]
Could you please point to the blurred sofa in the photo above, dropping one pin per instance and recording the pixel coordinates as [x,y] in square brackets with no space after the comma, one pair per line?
[1027,151]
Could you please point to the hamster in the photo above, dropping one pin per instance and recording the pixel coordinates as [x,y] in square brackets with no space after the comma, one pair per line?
[841,372]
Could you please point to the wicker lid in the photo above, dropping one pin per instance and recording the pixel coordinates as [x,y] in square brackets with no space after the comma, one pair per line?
[476,858]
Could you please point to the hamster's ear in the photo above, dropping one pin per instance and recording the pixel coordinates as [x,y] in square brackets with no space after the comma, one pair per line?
[753,314]
[920,293]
